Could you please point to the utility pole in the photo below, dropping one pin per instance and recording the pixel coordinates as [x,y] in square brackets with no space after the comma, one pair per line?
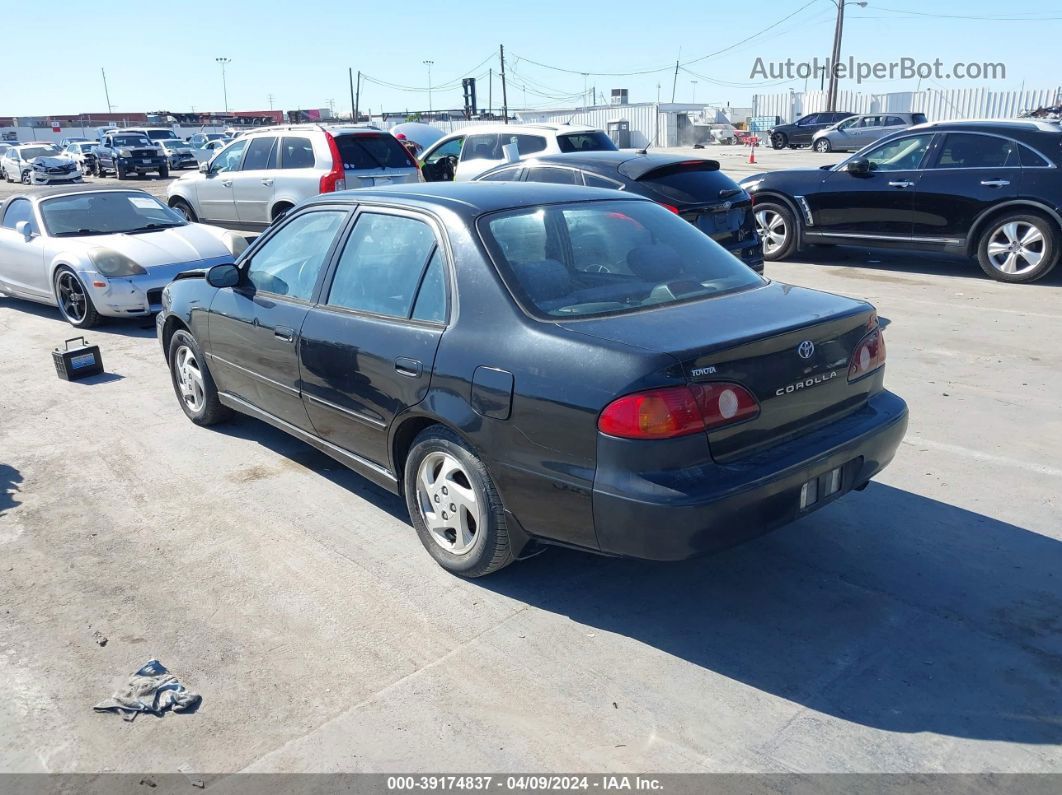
[490,92]
[106,92]
[357,100]
[428,64]
[224,85]
[353,110]
[831,92]
[674,82]
[270,97]
[505,96]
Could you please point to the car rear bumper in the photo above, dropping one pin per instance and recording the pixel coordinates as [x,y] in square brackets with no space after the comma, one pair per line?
[677,514]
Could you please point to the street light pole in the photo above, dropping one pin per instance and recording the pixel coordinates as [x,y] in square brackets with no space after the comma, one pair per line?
[428,64]
[831,92]
[224,85]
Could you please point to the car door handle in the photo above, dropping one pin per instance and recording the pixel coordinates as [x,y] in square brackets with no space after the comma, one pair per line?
[901,184]
[284,333]
[227,183]
[267,182]
[995,183]
[408,367]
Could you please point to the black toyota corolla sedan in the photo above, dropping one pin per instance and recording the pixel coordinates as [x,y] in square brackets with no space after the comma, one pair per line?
[991,190]
[534,364]
[692,188]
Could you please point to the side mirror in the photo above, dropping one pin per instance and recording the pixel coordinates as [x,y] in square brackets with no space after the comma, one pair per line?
[859,167]
[226,275]
[23,228]
[204,167]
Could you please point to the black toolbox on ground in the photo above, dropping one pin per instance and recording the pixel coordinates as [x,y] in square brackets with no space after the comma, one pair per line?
[80,361]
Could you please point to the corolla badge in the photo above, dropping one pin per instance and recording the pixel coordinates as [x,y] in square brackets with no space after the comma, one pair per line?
[806,349]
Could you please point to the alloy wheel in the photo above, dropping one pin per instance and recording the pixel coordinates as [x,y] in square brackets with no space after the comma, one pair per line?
[448,503]
[73,302]
[189,378]
[772,229]
[1016,247]
[822,145]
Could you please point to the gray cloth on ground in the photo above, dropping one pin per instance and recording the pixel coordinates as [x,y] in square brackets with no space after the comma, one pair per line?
[152,689]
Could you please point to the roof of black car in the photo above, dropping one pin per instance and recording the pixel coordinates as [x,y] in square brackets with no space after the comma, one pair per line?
[636,163]
[472,198]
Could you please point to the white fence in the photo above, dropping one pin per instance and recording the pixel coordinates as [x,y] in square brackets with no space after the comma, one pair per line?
[938,105]
[25,134]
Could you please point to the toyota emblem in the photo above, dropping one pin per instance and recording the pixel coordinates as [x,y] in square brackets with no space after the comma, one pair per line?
[806,349]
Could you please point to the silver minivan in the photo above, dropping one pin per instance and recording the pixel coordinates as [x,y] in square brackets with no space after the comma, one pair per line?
[261,175]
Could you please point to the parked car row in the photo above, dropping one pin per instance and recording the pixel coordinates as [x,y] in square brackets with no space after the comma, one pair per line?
[840,132]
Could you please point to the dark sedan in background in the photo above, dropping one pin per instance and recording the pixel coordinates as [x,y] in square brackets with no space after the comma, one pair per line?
[800,132]
[539,364]
[694,189]
[986,189]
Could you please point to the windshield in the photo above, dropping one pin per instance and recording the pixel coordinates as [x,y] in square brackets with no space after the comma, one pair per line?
[599,258]
[593,141]
[130,140]
[372,151]
[31,152]
[159,135]
[106,212]
[86,147]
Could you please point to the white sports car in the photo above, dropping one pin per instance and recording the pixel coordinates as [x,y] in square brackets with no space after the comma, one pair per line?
[95,252]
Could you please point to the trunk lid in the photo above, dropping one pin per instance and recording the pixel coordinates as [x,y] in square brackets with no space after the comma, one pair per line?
[757,338]
[376,158]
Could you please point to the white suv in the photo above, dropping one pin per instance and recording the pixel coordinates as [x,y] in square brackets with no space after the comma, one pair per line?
[261,175]
[465,154]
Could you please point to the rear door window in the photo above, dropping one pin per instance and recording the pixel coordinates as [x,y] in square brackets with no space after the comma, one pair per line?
[505,175]
[592,141]
[371,151]
[556,176]
[261,154]
[382,265]
[481,147]
[966,150]
[296,152]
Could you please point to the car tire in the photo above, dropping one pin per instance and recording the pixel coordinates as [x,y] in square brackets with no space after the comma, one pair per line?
[1018,247]
[192,382]
[779,141]
[27,178]
[822,145]
[185,209]
[442,471]
[164,172]
[119,172]
[74,302]
[777,229]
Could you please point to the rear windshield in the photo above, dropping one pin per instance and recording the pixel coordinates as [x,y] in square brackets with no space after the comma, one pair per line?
[611,257]
[594,141]
[371,151]
[689,185]
[160,135]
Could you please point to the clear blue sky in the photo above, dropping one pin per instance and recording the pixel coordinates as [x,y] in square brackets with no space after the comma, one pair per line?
[299,52]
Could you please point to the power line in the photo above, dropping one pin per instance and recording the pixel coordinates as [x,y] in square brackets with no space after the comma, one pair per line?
[966,16]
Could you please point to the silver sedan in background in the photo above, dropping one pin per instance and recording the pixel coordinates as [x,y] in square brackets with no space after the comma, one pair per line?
[93,252]
[861,130]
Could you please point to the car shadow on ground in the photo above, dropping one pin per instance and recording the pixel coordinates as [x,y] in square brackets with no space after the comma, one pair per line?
[880,262]
[9,480]
[143,326]
[886,609]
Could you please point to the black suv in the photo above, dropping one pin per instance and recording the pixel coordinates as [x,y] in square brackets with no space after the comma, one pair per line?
[130,153]
[800,132]
[986,189]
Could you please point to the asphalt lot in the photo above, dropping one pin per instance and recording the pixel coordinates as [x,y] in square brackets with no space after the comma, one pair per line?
[915,627]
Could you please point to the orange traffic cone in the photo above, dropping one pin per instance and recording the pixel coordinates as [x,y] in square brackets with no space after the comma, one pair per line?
[752,150]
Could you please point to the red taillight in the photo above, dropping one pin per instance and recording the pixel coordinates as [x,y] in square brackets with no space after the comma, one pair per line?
[677,411]
[868,355]
[675,210]
[336,178]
